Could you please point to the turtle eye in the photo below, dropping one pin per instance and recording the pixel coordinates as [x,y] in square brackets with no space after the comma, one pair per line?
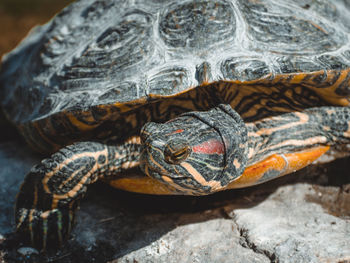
[176,152]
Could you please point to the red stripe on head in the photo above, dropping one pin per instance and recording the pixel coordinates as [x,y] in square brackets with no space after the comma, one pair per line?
[174,132]
[210,147]
[177,131]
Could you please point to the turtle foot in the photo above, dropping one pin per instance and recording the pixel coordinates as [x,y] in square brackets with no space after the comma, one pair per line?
[44,229]
[40,220]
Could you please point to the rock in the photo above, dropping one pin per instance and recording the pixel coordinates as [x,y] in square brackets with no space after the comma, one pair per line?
[16,159]
[290,228]
[302,217]
[216,240]
[286,227]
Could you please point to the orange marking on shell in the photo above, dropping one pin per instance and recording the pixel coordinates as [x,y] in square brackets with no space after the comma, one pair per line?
[80,125]
[329,93]
[144,185]
[283,78]
[210,147]
[298,78]
[253,173]
[125,107]
[286,164]
[299,160]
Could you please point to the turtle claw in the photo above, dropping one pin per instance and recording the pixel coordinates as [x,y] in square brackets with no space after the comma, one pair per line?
[44,229]
[38,222]
[51,191]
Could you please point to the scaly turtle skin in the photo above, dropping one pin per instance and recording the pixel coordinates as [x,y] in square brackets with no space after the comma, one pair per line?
[248,91]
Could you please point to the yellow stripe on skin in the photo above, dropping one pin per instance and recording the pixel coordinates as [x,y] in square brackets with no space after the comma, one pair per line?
[30,219]
[57,197]
[286,164]
[31,212]
[304,118]
[72,192]
[128,165]
[309,141]
[177,186]
[70,178]
[250,177]
[199,178]
[48,176]
[162,170]
[21,219]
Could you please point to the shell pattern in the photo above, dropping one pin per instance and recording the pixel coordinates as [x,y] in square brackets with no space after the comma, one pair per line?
[99,52]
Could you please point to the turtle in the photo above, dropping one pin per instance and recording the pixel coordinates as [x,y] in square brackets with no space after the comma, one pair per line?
[173,97]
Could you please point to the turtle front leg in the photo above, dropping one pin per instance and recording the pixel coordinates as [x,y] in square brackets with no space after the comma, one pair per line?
[283,144]
[296,131]
[50,194]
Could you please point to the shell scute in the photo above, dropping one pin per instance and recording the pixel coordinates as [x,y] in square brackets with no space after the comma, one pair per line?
[244,68]
[279,27]
[197,24]
[127,55]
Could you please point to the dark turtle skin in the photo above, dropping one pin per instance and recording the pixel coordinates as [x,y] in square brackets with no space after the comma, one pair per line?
[193,97]
[203,152]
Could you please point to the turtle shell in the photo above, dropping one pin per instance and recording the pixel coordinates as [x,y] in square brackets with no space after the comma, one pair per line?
[95,68]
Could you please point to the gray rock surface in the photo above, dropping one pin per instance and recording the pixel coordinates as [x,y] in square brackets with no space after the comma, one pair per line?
[289,228]
[285,227]
[216,240]
[15,160]
[304,217]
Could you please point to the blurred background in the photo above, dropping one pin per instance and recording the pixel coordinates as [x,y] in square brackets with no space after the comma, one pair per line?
[17,17]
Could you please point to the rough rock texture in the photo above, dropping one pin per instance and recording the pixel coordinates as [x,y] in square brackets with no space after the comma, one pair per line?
[216,240]
[283,228]
[293,229]
[303,217]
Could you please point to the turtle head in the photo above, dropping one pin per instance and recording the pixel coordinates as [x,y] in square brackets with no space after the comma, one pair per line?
[197,152]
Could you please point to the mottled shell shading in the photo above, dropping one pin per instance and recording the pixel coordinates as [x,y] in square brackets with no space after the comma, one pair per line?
[102,52]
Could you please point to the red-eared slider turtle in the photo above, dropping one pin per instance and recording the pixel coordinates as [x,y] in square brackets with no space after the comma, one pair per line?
[201,95]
